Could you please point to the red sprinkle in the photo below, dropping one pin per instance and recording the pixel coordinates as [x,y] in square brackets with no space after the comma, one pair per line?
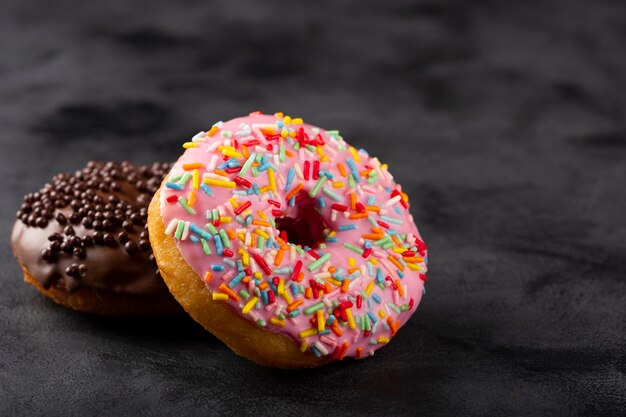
[296,271]
[252,142]
[274,203]
[233,170]
[423,277]
[240,209]
[339,207]
[382,224]
[228,253]
[262,264]
[172,198]
[277,213]
[367,252]
[276,280]
[271,297]
[360,207]
[313,253]
[316,169]
[242,181]
[411,303]
[408,253]
[307,167]
[359,301]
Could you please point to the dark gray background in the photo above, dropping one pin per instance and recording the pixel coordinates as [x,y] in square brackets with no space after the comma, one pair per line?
[503,120]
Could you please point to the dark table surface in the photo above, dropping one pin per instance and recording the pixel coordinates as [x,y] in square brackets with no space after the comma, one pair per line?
[504,121]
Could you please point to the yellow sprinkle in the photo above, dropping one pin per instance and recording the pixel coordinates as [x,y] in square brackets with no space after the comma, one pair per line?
[233,202]
[287,297]
[261,214]
[279,114]
[246,309]
[304,346]
[335,282]
[257,275]
[297,121]
[292,133]
[374,261]
[231,152]
[218,296]
[351,322]
[261,233]
[384,166]
[321,323]
[195,181]
[338,184]
[381,314]
[369,288]
[355,154]
[308,333]
[271,179]
[188,145]
[284,133]
[413,267]
[225,219]
[281,287]
[351,261]
[219,183]
[320,150]
[287,120]
[324,159]
[191,198]
[277,321]
[245,258]
[265,189]
[383,339]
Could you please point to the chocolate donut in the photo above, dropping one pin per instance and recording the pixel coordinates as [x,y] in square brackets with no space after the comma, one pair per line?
[82,240]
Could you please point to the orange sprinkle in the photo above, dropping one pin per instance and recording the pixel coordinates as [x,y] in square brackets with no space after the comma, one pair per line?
[344,349]
[294,191]
[395,240]
[344,285]
[359,352]
[308,293]
[372,236]
[279,258]
[207,277]
[294,305]
[263,285]
[336,329]
[392,325]
[354,268]
[353,201]
[220,172]
[400,288]
[223,287]
[342,170]
[412,259]
[289,154]
[300,277]
[245,279]
[357,216]
[261,223]
[231,234]
[213,130]
[327,287]
[396,263]
[244,151]
[192,165]
[192,198]
[375,209]
[332,269]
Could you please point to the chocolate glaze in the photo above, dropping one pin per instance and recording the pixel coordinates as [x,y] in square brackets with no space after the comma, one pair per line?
[89,229]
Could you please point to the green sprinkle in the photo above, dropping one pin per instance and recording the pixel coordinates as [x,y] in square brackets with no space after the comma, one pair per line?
[247,165]
[176,178]
[317,186]
[185,178]
[245,294]
[393,307]
[225,239]
[260,242]
[205,246]
[353,248]
[351,181]
[312,309]
[183,202]
[317,264]
[331,194]
[211,228]
[179,229]
[281,153]
[261,323]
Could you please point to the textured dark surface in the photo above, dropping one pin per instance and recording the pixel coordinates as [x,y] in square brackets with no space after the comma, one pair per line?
[504,121]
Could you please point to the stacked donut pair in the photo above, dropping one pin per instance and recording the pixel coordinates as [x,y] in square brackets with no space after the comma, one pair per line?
[288,244]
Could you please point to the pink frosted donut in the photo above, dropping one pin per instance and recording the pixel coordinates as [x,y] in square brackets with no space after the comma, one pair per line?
[297,232]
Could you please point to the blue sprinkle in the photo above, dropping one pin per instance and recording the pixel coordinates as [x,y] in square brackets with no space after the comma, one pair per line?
[229,263]
[206,189]
[372,317]
[264,297]
[239,265]
[199,231]
[323,332]
[379,275]
[292,201]
[321,202]
[255,188]
[376,298]
[397,210]
[355,174]
[290,175]
[222,166]
[236,280]
[371,200]
[347,227]
[233,163]
[173,186]
[218,244]
[216,267]
[295,313]
[193,239]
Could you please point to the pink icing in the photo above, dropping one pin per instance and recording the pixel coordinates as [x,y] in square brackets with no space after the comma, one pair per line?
[389,304]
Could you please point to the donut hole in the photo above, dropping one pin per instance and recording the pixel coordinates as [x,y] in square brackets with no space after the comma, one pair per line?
[306,227]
